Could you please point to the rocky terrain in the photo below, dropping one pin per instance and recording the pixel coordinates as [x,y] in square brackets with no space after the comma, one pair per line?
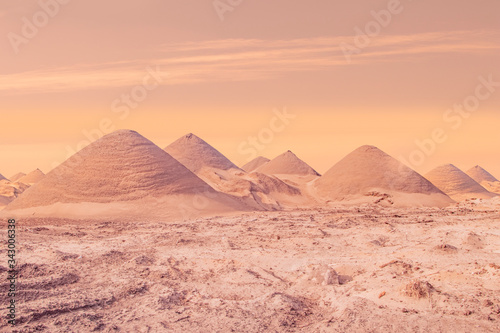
[335,269]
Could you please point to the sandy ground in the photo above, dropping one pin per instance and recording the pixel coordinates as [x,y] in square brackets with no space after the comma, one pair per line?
[337,269]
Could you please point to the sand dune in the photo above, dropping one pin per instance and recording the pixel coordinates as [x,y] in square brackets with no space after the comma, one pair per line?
[112,173]
[355,269]
[195,154]
[287,163]
[485,179]
[370,173]
[456,183]
[10,191]
[106,260]
[17,176]
[12,188]
[255,163]
[124,167]
[257,190]
[2,177]
[210,165]
[32,177]
[480,175]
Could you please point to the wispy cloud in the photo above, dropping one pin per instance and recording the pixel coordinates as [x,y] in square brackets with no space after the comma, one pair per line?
[246,59]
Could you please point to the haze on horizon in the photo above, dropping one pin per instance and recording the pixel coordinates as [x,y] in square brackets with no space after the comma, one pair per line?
[224,79]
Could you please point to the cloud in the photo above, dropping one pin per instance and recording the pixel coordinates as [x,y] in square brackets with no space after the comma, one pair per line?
[246,59]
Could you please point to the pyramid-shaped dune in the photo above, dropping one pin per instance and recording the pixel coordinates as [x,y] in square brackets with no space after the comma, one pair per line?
[368,171]
[115,171]
[17,176]
[287,164]
[457,184]
[256,190]
[485,179]
[32,177]
[2,177]
[255,163]
[480,175]
[195,154]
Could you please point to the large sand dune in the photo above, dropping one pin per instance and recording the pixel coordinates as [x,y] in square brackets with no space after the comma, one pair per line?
[456,183]
[120,174]
[368,172]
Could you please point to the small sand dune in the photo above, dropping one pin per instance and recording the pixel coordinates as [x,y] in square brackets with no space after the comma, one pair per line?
[195,154]
[287,163]
[485,179]
[121,172]
[32,177]
[17,176]
[457,184]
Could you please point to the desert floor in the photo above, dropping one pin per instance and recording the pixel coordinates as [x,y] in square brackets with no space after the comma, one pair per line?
[338,269]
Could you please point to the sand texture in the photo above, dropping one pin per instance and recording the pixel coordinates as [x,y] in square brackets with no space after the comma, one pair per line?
[255,163]
[359,269]
[456,183]
[287,163]
[368,171]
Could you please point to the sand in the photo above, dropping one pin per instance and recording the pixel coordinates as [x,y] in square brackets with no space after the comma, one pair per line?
[255,163]
[457,184]
[370,174]
[119,174]
[480,175]
[32,177]
[2,177]
[9,191]
[195,154]
[358,269]
[257,190]
[17,176]
[287,163]
[124,238]
[485,179]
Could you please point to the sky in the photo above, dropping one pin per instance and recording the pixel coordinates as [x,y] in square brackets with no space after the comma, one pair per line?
[419,79]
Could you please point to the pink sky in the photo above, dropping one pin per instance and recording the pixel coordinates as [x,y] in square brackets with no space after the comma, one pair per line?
[222,79]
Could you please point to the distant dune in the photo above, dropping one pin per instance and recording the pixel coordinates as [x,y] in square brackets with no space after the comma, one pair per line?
[195,154]
[124,175]
[457,184]
[485,179]
[17,176]
[255,163]
[369,172]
